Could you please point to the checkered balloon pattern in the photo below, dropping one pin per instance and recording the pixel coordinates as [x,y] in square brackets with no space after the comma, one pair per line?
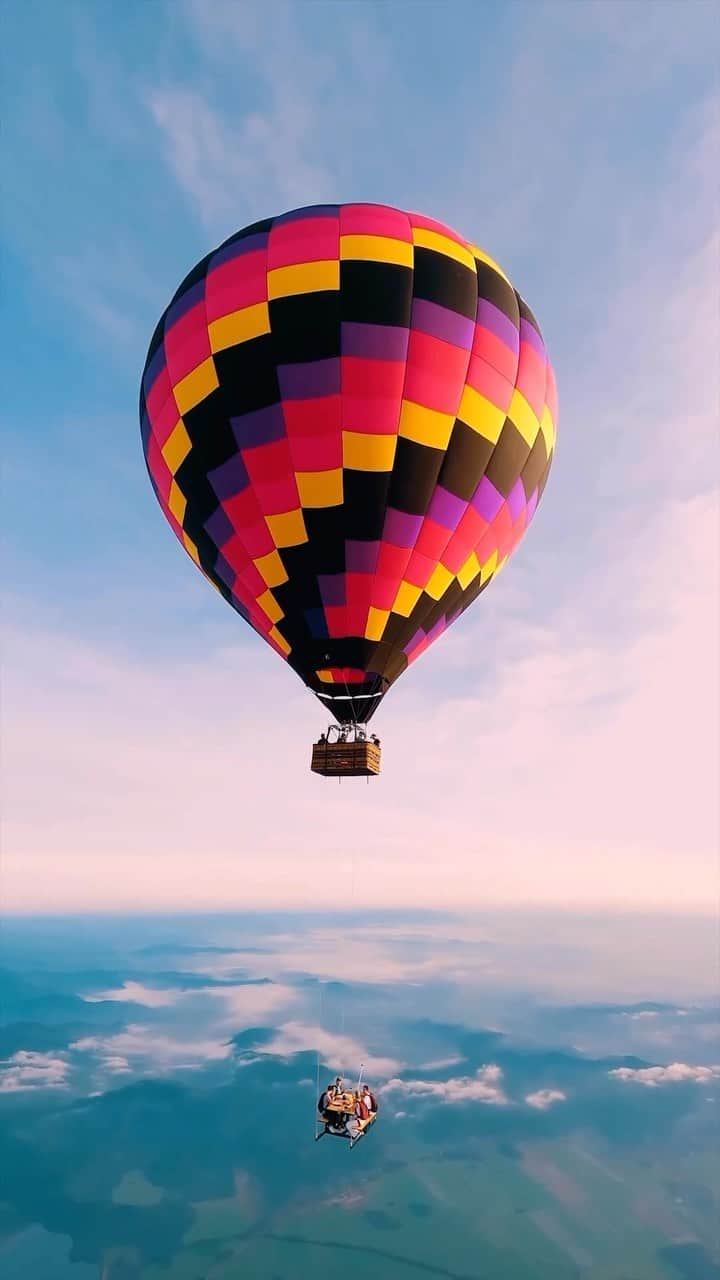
[348,417]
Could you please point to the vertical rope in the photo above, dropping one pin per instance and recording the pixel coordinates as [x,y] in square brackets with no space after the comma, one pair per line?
[352,908]
[317,1071]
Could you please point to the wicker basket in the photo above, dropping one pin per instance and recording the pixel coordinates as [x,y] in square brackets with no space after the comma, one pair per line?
[359,759]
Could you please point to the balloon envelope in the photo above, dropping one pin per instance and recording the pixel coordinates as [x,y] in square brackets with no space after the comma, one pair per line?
[348,416]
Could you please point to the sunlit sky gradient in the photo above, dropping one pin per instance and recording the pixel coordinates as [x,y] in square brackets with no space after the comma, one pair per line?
[560,744]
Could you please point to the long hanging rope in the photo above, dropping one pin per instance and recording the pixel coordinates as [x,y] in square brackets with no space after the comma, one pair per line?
[342,1005]
[352,906]
[317,1069]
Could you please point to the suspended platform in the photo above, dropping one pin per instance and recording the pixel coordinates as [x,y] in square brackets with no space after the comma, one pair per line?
[346,751]
[334,1120]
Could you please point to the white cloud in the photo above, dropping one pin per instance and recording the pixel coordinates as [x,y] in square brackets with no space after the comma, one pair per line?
[144,1049]
[544,1098]
[484,1086]
[247,1002]
[243,1003]
[138,993]
[674,1073]
[30,1070]
[337,1052]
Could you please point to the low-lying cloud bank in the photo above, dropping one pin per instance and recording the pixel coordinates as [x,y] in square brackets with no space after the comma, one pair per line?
[673,1073]
[484,1086]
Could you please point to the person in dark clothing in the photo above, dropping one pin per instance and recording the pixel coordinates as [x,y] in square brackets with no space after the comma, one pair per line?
[325,1098]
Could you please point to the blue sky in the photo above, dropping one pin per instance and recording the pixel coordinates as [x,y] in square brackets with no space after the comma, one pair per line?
[579,145]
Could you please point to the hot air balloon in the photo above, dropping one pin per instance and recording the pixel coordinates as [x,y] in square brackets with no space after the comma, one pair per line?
[348,417]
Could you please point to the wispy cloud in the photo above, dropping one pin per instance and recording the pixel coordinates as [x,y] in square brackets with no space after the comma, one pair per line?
[337,1051]
[225,167]
[109,289]
[29,1070]
[246,1004]
[138,993]
[257,145]
[144,1049]
[237,1004]
[440,1064]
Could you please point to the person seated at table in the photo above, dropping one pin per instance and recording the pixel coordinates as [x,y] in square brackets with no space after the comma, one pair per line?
[368,1097]
[325,1099]
[337,1088]
[352,1125]
[362,1110]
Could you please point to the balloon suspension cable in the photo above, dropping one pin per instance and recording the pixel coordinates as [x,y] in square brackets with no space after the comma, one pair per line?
[352,908]
[317,1068]
[348,695]
[350,731]
[362,1067]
